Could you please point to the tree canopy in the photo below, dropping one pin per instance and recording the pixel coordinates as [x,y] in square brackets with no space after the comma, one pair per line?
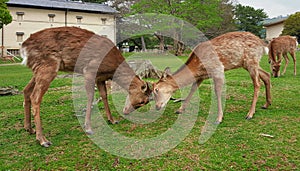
[292,25]
[250,19]
[203,14]
[5,17]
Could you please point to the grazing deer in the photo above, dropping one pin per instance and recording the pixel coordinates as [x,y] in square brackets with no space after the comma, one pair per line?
[8,58]
[210,60]
[279,47]
[58,49]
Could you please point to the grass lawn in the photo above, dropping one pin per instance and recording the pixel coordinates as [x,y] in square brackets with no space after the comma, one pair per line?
[236,144]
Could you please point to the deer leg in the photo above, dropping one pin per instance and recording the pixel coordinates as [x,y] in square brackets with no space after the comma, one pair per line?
[286,63]
[218,86]
[43,79]
[293,54]
[27,105]
[188,98]
[103,92]
[255,79]
[89,87]
[265,77]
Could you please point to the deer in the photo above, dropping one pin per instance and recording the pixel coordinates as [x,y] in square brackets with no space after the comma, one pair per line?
[8,58]
[211,59]
[58,49]
[279,47]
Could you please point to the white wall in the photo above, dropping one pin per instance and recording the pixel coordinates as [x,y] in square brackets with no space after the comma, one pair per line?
[38,19]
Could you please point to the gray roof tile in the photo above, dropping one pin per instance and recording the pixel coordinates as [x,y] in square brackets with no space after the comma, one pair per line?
[64,4]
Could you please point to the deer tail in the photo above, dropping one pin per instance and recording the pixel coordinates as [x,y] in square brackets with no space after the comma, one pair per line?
[23,54]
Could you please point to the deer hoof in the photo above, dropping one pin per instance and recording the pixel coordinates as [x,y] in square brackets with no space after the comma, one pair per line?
[46,144]
[89,132]
[179,111]
[30,130]
[112,122]
[248,118]
[217,122]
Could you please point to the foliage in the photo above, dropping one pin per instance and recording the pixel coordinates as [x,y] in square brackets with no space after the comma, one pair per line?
[250,19]
[226,12]
[236,145]
[5,17]
[203,14]
[292,25]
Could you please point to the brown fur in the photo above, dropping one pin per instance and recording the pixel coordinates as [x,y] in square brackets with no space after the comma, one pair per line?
[279,47]
[8,58]
[77,50]
[210,60]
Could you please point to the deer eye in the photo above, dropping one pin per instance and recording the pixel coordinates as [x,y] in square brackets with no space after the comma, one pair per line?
[156,90]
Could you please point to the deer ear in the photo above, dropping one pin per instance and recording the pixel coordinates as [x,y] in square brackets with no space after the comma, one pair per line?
[146,88]
[166,73]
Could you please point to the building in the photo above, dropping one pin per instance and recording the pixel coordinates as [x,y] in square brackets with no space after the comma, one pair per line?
[274,27]
[30,16]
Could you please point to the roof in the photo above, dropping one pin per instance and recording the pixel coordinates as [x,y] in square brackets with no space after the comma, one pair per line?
[64,5]
[274,21]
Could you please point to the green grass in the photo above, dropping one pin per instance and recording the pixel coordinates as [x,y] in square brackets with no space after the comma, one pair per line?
[236,144]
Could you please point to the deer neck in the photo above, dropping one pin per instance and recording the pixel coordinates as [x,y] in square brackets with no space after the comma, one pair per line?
[126,77]
[189,73]
[183,77]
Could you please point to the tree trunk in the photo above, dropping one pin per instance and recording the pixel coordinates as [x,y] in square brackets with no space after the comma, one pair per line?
[143,44]
[161,41]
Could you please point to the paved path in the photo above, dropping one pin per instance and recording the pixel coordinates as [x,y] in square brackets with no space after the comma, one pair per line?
[10,64]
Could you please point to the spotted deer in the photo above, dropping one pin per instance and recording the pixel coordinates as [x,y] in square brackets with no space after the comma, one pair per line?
[58,49]
[8,58]
[279,47]
[210,60]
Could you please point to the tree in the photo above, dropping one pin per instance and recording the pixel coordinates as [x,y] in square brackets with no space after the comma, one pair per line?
[292,25]
[249,19]
[204,15]
[226,12]
[5,17]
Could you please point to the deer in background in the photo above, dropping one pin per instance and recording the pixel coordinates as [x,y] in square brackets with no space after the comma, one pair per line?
[279,47]
[57,49]
[210,60]
[8,58]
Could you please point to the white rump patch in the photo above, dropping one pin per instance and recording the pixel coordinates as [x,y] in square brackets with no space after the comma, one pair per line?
[23,53]
[266,50]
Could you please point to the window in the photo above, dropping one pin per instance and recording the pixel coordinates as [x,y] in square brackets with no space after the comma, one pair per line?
[20,36]
[79,19]
[103,20]
[14,52]
[51,17]
[20,16]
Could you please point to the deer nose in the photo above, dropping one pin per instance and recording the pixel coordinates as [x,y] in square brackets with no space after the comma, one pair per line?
[126,111]
[158,107]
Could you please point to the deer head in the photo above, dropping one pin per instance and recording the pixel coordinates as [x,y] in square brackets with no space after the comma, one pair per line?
[275,66]
[163,89]
[137,97]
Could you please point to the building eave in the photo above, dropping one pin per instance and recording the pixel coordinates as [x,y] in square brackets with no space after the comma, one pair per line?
[63,5]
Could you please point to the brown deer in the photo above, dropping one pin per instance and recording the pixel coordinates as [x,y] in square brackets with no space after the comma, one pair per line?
[58,49]
[279,47]
[210,60]
[8,58]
